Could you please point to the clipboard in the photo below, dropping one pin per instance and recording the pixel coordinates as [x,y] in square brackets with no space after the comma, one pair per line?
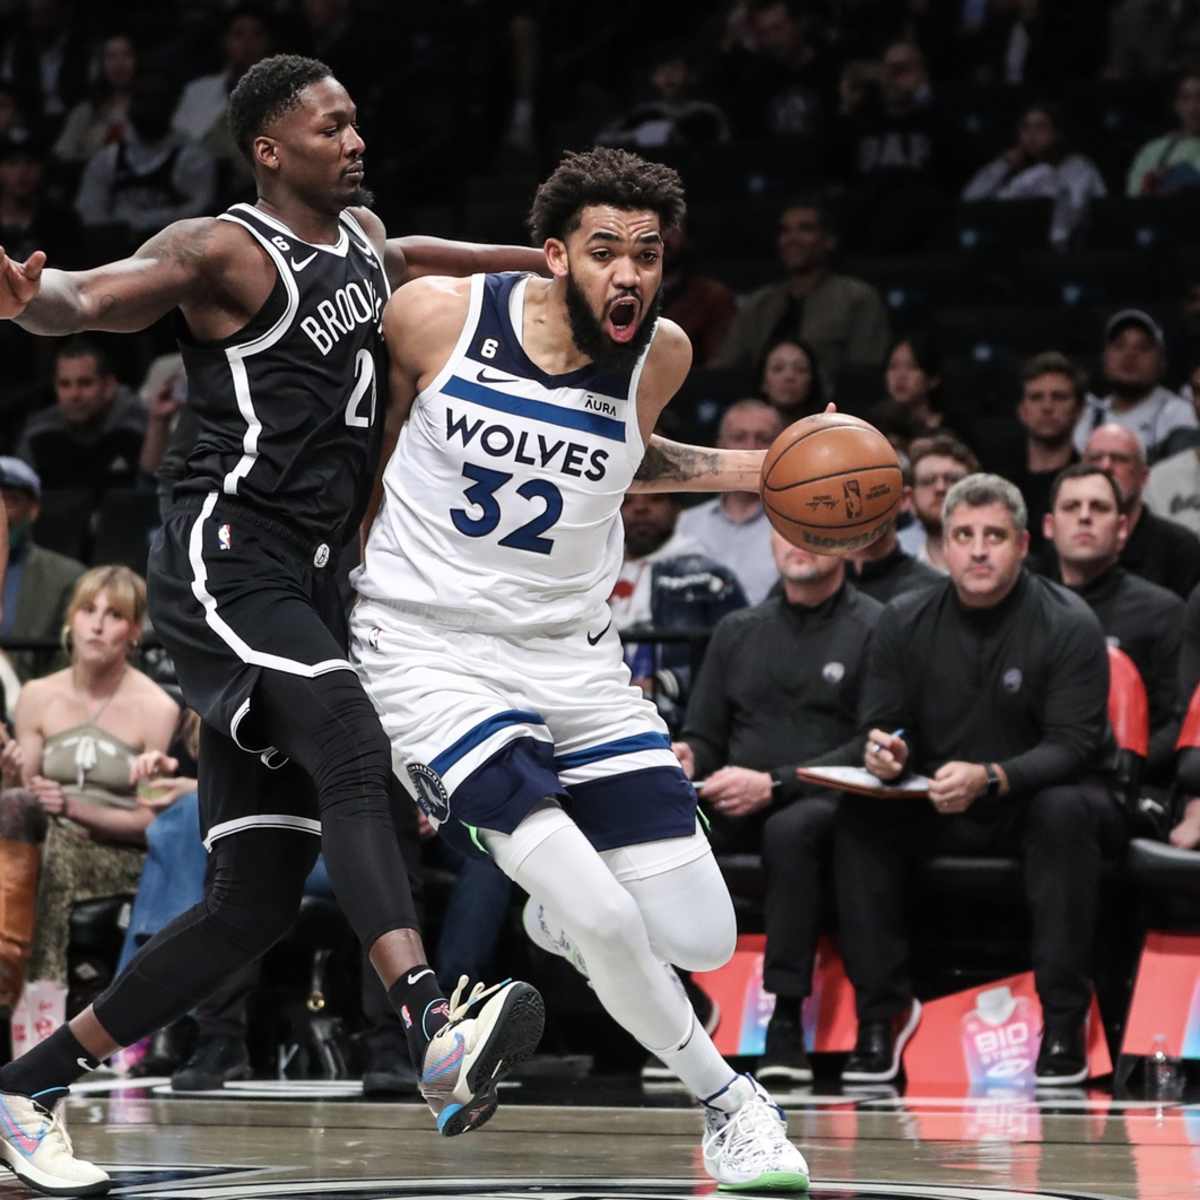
[863,783]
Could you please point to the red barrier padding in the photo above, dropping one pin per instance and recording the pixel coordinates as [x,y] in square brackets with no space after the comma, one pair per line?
[1128,707]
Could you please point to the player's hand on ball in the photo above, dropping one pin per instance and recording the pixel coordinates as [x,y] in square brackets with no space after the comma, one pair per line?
[737,791]
[885,755]
[19,282]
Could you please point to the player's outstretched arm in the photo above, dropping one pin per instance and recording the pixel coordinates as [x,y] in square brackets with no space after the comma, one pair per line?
[119,297]
[671,466]
[413,257]
[676,467]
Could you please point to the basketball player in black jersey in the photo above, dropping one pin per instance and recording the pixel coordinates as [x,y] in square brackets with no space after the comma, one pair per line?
[279,326]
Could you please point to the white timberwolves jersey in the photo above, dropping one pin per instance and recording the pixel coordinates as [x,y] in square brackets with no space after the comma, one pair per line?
[502,499]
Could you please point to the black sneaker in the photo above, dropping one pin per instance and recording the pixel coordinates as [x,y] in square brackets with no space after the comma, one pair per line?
[388,1071]
[880,1047]
[784,1059]
[215,1062]
[1062,1060]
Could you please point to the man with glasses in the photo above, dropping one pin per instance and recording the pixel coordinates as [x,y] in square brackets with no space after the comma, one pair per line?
[938,463]
[1156,548]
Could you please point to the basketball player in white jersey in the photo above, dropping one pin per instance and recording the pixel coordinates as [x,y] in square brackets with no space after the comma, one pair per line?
[522,411]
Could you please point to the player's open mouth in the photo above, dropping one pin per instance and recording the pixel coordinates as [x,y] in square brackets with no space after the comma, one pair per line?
[622,319]
[354,172]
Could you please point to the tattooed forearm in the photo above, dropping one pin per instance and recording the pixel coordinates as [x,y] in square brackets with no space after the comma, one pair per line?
[673,467]
[671,462]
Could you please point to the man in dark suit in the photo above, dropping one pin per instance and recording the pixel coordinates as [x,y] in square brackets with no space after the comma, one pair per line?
[38,585]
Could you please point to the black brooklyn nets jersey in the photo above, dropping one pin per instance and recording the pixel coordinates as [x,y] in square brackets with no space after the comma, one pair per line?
[286,407]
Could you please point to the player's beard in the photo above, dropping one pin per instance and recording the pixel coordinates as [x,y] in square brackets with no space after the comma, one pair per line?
[361,198]
[590,338]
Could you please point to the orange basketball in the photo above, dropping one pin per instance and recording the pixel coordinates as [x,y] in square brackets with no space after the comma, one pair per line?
[831,483]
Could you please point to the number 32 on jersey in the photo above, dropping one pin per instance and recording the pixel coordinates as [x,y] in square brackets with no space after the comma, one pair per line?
[482,494]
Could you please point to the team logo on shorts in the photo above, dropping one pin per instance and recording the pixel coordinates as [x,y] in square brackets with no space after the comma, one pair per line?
[431,792]
[224,537]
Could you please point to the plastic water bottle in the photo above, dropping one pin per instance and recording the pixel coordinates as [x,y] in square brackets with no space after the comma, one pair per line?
[1164,1074]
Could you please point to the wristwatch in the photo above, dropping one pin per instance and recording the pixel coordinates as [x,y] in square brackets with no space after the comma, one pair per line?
[993,781]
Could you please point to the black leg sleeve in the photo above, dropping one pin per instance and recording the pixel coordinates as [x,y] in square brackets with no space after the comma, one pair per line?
[251,896]
[328,727]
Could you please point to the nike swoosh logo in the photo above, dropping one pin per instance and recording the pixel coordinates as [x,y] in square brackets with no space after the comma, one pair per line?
[484,377]
[87,1066]
[593,640]
[419,975]
[299,266]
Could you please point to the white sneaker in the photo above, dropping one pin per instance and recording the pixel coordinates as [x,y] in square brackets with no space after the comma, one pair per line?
[748,1149]
[35,1145]
[468,1056]
[551,939]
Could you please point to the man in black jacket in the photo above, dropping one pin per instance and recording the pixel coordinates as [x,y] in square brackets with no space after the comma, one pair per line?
[1086,527]
[779,687]
[994,684]
[1157,549]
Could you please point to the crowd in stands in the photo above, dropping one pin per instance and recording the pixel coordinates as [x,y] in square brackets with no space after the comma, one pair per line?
[968,221]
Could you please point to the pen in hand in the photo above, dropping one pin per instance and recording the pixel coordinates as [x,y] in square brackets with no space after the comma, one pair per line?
[877,748]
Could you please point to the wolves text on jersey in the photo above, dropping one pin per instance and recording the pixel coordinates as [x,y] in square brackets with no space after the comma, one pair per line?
[534,450]
[351,306]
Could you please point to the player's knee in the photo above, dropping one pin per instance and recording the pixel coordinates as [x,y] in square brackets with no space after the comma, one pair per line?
[703,940]
[610,917]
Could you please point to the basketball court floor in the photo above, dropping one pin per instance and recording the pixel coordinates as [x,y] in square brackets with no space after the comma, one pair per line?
[594,1140]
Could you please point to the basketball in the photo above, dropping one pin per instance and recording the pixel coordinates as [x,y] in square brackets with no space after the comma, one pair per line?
[831,483]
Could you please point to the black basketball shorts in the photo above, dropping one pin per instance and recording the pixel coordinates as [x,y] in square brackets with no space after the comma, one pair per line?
[233,594]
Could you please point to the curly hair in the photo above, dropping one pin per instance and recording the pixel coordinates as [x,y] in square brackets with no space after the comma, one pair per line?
[266,92]
[604,176]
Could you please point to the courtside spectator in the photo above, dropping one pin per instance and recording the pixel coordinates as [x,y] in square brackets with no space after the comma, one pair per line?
[1171,163]
[1087,527]
[912,381]
[733,529]
[995,685]
[770,78]
[45,56]
[30,219]
[841,317]
[200,114]
[153,176]
[1156,548]
[103,118]
[938,463]
[93,434]
[790,380]
[670,114]
[884,569]
[1041,164]
[747,729]
[1173,490]
[38,582]
[895,157]
[1052,390]
[704,307]
[1134,366]
[666,583]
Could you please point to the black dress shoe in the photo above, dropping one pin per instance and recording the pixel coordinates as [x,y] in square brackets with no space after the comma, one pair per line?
[880,1047]
[388,1071]
[215,1062]
[784,1059]
[1062,1060]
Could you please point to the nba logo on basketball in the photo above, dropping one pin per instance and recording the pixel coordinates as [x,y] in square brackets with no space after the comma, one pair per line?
[223,537]
[852,495]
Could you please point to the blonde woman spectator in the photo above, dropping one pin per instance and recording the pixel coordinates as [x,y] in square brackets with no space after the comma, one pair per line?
[86,734]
